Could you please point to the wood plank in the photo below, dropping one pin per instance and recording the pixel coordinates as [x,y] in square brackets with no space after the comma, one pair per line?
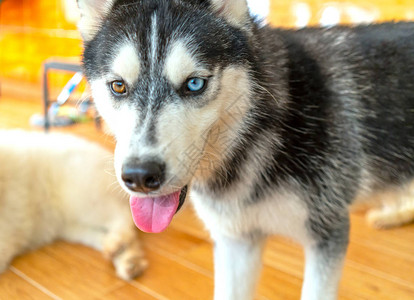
[364,285]
[81,254]
[65,275]
[396,269]
[283,254]
[13,286]
[173,241]
[172,280]
[128,291]
[277,285]
[395,241]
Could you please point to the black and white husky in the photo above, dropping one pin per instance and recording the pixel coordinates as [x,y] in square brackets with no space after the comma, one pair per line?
[272,131]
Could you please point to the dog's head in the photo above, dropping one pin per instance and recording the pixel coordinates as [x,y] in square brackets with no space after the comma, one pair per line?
[171,79]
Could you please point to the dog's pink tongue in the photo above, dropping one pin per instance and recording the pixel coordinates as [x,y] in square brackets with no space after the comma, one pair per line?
[154,214]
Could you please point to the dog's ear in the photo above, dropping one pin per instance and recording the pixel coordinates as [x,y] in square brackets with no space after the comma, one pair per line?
[236,12]
[92,13]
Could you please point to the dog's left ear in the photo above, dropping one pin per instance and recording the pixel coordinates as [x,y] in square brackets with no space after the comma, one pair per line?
[236,12]
[92,13]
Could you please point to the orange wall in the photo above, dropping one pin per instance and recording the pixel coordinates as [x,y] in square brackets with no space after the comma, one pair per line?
[30,32]
[282,12]
[34,30]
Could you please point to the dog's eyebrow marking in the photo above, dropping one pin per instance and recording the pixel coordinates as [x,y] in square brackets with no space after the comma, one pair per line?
[179,63]
[127,63]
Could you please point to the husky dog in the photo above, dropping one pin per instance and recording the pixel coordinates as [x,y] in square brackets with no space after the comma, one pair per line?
[272,131]
[58,186]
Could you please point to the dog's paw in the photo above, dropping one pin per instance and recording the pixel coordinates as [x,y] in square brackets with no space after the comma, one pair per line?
[130,264]
[386,219]
[383,219]
[114,245]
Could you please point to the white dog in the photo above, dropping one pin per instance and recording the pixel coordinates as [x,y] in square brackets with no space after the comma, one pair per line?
[57,186]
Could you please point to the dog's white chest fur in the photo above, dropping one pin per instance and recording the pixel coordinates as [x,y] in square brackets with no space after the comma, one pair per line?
[280,213]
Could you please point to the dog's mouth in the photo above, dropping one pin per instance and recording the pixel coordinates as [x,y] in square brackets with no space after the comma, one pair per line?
[154,214]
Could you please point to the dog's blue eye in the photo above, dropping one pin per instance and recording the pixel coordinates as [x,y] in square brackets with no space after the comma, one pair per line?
[196,84]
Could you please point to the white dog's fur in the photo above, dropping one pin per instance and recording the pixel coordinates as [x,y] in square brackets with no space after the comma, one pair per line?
[57,186]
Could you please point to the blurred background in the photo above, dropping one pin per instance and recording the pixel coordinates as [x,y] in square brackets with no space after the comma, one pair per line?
[32,31]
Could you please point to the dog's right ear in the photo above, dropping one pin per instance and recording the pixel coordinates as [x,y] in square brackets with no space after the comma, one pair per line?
[234,11]
[92,13]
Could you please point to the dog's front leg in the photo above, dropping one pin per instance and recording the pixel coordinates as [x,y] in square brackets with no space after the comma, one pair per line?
[237,264]
[324,262]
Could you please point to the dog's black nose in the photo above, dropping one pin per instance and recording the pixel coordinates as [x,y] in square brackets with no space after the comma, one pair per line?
[143,177]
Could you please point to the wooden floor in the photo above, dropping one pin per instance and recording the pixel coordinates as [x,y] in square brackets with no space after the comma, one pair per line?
[379,264]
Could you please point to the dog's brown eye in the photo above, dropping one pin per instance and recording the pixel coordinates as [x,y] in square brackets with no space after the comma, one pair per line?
[118,87]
